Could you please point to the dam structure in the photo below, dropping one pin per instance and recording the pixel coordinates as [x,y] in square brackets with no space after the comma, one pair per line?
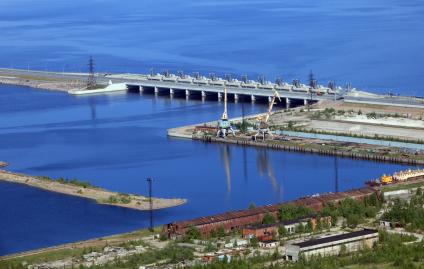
[213,88]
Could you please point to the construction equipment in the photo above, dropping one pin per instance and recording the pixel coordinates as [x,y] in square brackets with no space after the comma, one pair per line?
[385,179]
[262,125]
[224,125]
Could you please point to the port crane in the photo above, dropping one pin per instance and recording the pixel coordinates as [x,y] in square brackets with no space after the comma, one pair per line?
[224,125]
[262,125]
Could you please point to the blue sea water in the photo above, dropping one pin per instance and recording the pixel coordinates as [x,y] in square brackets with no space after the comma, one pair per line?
[374,44]
[116,141]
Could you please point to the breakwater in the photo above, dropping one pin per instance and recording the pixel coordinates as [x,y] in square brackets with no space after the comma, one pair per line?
[84,190]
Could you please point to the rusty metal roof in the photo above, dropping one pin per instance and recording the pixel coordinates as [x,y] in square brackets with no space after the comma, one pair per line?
[311,202]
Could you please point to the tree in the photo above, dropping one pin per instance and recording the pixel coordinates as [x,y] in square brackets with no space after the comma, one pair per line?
[291,212]
[192,233]
[268,219]
[254,242]
[221,231]
[282,231]
[309,226]
[300,228]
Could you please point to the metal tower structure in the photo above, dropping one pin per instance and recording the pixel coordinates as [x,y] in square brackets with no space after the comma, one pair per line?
[91,81]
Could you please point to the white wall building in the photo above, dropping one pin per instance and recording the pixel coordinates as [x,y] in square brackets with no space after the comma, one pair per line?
[329,246]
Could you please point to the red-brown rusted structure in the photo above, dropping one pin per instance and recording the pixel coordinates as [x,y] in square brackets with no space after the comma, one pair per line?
[236,220]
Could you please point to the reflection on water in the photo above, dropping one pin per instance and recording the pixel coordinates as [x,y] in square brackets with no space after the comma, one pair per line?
[225,153]
[92,102]
[265,168]
[336,174]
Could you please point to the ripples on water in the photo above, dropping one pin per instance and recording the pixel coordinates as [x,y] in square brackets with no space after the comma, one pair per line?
[375,45]
[116,141]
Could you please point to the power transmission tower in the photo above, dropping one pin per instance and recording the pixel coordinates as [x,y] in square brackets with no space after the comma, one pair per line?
[91,81]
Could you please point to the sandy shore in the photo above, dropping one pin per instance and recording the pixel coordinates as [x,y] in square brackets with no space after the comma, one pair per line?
[41,83]
[100,195]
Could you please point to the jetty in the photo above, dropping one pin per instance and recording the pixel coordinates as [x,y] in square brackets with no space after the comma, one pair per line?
[85,190]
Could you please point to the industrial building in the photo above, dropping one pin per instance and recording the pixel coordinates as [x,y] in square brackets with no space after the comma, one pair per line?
[332,245]
[269,231]
[237,220]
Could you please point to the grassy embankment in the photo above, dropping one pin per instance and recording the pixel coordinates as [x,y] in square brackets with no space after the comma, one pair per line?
[75,250]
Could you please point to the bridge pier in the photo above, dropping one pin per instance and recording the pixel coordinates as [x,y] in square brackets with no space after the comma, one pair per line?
[203,94]
[140,89]
[305,102]
[252,98]
[156,90]
[171,91]
[269,99]
[187,94]
[236,97]
[287,103]
[219,96]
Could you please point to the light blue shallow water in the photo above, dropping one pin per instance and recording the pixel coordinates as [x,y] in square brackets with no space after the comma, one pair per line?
[116,141]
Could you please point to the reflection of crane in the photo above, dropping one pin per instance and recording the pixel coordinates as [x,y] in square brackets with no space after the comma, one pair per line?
[226,159]
[265,167]
[336,173]
[224,125]
[263,127]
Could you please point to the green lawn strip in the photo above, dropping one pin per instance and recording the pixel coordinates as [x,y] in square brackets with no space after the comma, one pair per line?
[77,249]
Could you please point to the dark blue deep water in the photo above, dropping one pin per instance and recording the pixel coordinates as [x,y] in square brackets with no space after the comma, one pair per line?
[374,44]
[116,141]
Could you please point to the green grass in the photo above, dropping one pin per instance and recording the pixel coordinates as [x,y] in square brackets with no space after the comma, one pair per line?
[403,186]
[79,250]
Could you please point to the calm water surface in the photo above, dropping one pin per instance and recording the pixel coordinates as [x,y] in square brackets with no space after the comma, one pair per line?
[375,44]
[116,141]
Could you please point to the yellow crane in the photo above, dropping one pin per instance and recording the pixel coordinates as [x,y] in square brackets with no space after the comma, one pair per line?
[224,125]
[262,125]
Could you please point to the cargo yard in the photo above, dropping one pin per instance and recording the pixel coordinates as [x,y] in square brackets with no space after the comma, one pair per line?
[373,132]
[85,190]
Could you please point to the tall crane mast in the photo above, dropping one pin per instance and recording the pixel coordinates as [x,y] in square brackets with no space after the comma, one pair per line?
[224,125]
[263,128]
[225,114]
